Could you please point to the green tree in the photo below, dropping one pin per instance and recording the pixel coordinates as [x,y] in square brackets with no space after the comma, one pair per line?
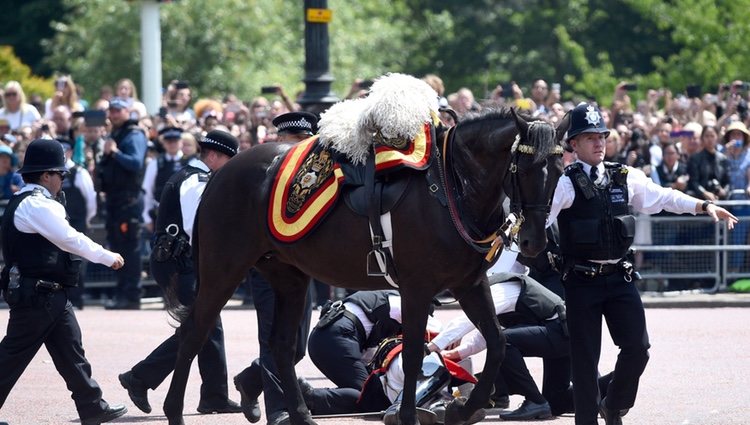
[24,23]
[238,47]
[12,69]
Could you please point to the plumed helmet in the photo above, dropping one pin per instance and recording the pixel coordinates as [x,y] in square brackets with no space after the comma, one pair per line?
[586,118]
[43,155]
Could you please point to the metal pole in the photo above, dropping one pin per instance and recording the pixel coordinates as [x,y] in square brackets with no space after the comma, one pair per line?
[318,95]
[150,56]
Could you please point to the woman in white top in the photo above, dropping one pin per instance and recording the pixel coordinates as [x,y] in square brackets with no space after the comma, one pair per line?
[125,89]
[17,112]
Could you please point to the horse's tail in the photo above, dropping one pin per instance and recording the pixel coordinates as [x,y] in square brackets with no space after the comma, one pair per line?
[172,303]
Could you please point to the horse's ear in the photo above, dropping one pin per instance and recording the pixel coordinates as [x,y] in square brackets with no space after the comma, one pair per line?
[562,128]
[521,124]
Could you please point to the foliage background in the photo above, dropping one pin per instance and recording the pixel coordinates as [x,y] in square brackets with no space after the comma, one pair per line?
[240,45]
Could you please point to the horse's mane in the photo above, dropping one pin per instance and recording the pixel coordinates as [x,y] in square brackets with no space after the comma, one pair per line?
[538,136]
[470,172]
[396,108]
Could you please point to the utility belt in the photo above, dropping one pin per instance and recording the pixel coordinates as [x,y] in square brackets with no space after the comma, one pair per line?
[335,310]
[592,269]
[170,245]
[43,285]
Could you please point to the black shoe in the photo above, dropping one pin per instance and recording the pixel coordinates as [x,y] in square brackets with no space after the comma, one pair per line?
[136,391]
[279,418]
[250,406]
[228,406]
[112,412]
[123,305]
[611,416]
[528,411]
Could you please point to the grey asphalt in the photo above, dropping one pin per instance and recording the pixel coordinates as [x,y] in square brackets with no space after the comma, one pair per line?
[698,372]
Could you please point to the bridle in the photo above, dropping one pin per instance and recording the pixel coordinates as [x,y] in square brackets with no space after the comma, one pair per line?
[508,231]
[517,206]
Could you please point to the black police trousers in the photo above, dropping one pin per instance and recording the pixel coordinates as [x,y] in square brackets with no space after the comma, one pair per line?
[618,301]
[336,350]
[212,362]
[546,341]
[47,317]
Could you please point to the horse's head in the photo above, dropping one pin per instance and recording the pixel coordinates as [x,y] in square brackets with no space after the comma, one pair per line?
[535,166]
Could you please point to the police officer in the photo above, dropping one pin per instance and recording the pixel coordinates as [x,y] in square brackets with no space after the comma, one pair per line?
[533,318]
[158,172]
[39,247]
[171,260]
[80,205]
[121,173]
[295,126]
[593,204]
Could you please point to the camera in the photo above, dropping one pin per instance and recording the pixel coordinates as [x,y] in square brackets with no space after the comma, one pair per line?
[713,186]
[630,86]
[365,84]
[268,89]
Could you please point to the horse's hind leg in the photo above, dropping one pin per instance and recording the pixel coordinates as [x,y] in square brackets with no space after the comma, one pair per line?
[290,291]
[217,284]
[476,301]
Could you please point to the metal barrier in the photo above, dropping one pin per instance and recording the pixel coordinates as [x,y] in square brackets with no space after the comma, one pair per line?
[692,252]
[672,252]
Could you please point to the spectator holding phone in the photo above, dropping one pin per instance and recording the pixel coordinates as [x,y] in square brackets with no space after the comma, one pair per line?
[16,111]
[65,95]
[736,141]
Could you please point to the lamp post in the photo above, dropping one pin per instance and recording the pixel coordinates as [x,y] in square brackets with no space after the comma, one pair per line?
[318,95]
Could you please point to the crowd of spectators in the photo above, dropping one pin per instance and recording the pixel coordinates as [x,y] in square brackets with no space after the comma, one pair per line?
[692,141]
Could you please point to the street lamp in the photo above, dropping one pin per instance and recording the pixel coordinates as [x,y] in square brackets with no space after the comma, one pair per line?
[318,95]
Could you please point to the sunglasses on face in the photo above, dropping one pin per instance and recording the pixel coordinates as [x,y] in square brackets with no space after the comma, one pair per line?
[59,174]
[10,94]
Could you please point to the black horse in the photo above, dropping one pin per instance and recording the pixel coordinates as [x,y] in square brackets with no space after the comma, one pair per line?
[435,248]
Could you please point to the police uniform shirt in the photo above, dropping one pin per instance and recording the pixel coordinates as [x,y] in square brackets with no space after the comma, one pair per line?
[191,191]
[644,195]
[85,184]
[504,297]
[394,304]
[45,216]
[149,180]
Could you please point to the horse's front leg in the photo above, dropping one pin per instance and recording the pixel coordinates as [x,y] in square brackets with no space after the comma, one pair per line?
[477,303]
[288,310]
[414,320]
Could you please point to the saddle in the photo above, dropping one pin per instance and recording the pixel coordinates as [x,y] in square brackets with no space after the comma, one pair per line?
[312,176]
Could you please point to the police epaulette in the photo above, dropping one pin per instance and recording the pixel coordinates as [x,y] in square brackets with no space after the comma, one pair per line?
[203,177]
[572,167]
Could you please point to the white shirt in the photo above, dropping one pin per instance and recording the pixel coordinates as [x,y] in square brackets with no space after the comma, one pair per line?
[644,195]
[191,191]
[25,116]
[504,296]
[85,184]
[45,216]
[149,181]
